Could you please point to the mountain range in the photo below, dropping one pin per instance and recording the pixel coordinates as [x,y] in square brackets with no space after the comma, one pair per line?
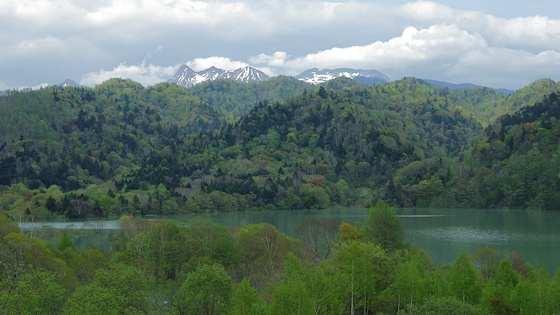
[187,77]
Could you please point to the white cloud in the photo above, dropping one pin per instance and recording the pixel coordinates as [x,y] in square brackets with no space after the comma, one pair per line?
[535,32]
[199,64]
[146,75]
[277,59]
[438,43]
[149,17]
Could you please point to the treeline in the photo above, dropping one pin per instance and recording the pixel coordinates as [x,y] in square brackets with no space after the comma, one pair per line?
[120,148]
[160,267]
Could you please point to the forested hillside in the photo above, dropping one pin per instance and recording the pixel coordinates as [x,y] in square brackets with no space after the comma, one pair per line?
[516,164]
[121,148]
[235,99]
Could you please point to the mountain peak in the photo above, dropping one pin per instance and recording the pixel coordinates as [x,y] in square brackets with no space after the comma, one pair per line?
[69,82]
[187,77]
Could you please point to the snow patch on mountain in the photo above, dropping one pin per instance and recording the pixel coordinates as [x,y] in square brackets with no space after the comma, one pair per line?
[69,82]
[316,76]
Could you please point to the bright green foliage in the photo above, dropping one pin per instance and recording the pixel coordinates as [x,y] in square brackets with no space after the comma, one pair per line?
[538,295]
[246,299]
[292,295]
[413,283]
[497,294]
[207,290]
[464,280]
[19,254]
[122,290]
[93,299]
[35,292]
[505,275]
[324,285]
[364,271]
[383,227]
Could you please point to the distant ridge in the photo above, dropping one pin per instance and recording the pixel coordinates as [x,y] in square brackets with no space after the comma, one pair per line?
[454,86]
[317,76]
[187,77]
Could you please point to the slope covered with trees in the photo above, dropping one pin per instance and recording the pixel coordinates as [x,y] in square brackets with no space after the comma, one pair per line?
[516,163]
[72,138]
[120,148]
[235,99]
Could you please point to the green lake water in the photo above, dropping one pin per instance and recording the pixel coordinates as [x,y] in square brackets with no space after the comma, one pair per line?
[443,233]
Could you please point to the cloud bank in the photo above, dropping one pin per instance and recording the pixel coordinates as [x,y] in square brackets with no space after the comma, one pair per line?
[91,41]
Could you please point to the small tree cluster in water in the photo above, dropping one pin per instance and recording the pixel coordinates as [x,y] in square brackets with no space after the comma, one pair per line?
[161,267]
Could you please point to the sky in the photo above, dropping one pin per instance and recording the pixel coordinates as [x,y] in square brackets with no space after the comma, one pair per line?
[495,43]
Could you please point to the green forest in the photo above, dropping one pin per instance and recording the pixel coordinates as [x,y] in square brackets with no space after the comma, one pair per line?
[123,149]
[201,267]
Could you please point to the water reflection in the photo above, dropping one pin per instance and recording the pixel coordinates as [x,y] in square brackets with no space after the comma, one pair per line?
[487,237]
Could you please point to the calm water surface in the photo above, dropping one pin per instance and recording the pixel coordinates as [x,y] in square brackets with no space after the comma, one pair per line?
[443,233]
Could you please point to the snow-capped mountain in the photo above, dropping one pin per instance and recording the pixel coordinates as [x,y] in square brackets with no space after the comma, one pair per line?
[188,77]
[316,76]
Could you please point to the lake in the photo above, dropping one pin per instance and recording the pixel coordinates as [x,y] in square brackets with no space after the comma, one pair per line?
[443,233]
